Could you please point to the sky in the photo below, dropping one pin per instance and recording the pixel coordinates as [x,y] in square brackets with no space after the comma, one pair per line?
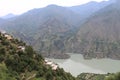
[20,6]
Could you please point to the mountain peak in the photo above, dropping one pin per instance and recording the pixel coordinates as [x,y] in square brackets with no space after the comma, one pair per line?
[52,5]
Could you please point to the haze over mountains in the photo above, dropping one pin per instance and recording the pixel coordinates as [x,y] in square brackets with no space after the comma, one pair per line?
[6,18]
[9,16]
[56,30]
[1,20]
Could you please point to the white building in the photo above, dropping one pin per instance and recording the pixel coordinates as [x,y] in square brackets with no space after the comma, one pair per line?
[8,36]
[22,48]
[52,64]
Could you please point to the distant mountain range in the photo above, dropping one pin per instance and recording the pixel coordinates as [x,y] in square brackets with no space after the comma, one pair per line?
[8,16]
[56,30]
[89,8]
[1,20]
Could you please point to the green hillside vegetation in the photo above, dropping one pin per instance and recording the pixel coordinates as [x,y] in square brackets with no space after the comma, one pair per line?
[113,77]
[92,76]
[20,62]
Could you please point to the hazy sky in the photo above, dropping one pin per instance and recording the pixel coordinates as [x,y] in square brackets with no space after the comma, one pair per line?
[20,6]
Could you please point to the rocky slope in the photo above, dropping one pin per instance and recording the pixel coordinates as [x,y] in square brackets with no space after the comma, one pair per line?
[99,36]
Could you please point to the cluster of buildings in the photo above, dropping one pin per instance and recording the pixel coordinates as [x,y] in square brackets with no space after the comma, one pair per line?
[52,64]
[21,48]
[9,37]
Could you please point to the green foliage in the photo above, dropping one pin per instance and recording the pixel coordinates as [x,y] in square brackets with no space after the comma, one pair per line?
[16,64]
[91,76]
[113,77]
[29,51]
[5,74]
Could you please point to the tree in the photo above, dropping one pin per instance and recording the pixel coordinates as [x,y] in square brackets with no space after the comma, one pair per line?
[29,50]
[113,77]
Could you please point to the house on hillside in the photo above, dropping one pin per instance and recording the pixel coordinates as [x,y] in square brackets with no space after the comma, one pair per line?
[53,65]
[21,48]
[9,37]
[49,63]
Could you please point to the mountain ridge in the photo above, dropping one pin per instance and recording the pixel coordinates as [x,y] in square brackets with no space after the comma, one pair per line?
[10,15]
[85,9]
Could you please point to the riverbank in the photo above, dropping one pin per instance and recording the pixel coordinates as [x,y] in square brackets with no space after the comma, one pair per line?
[76,64]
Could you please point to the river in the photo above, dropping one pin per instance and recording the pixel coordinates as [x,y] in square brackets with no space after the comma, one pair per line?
[76,64]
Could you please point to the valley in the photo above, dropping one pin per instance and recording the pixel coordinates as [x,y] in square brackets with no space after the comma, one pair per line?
[64,30]
[80,42]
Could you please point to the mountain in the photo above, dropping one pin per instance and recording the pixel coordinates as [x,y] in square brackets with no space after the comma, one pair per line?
[19,61]
[2,20]
[90,8]
[42,25]
[10,15]
[52,16]
[99,36]
[56,30]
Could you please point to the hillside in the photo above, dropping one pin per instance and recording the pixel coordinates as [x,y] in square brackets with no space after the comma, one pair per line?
[99,36]
[20,62]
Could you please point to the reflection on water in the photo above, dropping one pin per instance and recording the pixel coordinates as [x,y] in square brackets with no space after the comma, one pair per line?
[77,64]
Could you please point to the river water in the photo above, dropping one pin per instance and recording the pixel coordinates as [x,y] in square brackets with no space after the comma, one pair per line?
[76,64]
